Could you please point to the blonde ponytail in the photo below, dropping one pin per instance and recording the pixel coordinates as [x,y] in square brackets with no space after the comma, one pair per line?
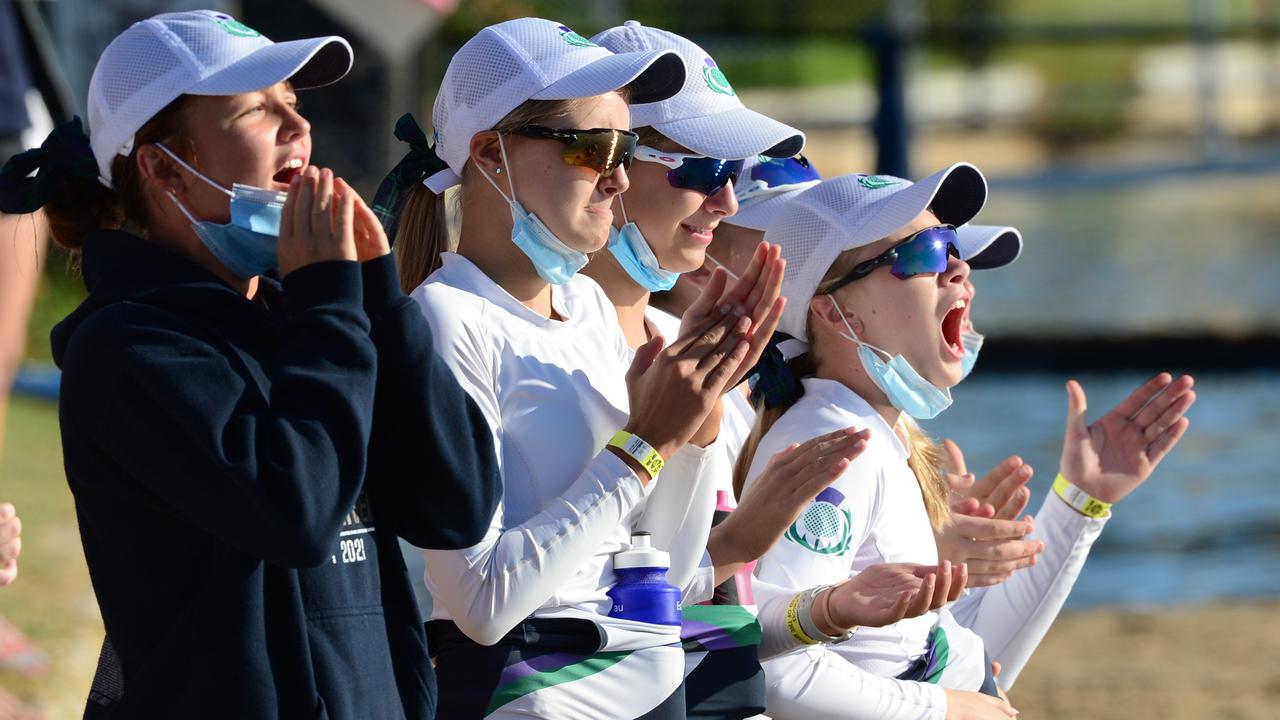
[926,463]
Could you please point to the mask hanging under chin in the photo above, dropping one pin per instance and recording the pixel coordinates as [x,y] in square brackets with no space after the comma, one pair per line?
[555,262]
[905,388]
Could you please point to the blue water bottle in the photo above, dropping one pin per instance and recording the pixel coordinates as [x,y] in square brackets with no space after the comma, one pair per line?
[642,592]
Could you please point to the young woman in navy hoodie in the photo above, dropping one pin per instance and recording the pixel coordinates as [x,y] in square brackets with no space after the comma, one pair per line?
[242,449]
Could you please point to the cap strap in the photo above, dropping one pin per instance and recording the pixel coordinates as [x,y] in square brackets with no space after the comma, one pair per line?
[442,181]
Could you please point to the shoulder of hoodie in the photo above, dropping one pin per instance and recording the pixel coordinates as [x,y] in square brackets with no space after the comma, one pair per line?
[119,339]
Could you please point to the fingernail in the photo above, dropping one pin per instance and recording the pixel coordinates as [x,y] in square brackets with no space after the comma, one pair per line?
[859,444]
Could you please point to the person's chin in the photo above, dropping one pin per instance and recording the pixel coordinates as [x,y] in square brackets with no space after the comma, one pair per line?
[946,374]
[687,260]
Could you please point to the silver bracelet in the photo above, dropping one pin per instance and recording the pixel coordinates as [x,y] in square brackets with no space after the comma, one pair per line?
[805,612]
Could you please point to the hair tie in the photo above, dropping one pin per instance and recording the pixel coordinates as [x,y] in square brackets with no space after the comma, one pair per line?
[65,153]
[418,164]
[772,380]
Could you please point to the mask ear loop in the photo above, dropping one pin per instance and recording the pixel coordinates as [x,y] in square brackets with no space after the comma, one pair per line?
[623,206]
[853,335]
[510,183]
[192,170]
[182,207]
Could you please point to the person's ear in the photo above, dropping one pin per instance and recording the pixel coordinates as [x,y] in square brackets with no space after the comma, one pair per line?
[486,153]
[159,173]
[825,310]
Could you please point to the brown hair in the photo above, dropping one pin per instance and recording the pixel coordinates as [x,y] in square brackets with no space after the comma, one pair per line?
[926,456]
[422,232]
[650,136]
[79,206]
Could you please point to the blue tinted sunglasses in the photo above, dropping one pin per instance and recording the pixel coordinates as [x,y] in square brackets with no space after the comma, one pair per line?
[924,252]
[694,172]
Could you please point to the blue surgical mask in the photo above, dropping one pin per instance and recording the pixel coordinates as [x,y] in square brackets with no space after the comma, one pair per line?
[972,342]
[905,388]
[555,262]
[635,256]
[247,245]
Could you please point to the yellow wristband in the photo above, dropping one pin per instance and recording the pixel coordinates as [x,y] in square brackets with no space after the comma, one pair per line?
[640,451]
[1083,502]
[793,622]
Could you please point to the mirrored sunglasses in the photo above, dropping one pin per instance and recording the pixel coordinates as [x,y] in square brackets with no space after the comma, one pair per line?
[601,149]
[926,251]
[693,172]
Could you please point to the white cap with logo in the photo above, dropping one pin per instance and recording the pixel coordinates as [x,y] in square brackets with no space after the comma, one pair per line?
[706,116]
[203,52]
[850,211]
[512,62]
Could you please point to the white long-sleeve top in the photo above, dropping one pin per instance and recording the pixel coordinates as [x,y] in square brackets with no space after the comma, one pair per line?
[873,513]
[1013,617]
[553,392]
[684,532]
[678,515]
[1010,619]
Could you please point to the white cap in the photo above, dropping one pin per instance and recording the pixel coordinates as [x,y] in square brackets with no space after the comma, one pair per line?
[202,52]
[986,247]
[641,554]
[759,202]
[706,116]
[850,211]
[512,62]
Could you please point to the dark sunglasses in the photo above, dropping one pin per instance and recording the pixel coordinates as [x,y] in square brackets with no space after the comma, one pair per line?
[694,172]
[601,149]
[923,252]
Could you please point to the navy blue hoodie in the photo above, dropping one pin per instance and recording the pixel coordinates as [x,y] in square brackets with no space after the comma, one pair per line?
[241,469]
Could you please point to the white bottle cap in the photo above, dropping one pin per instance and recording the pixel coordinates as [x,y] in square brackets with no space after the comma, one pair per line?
[641,554]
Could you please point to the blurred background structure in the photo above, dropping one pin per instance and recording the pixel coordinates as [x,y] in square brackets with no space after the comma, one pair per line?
[1137,146]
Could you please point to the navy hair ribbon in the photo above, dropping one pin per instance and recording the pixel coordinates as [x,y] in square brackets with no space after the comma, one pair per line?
[64,153]
[419,163]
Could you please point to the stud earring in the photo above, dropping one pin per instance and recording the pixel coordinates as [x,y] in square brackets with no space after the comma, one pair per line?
[498,171]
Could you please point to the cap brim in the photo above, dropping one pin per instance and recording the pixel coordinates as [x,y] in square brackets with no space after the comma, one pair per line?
[986,247]
[649,76]
[736,134]
[758,213]
[308,63]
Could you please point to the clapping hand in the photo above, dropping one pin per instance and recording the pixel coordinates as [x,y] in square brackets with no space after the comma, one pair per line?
[1115,454]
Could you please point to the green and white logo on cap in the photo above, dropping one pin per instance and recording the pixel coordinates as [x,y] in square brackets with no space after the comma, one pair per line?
[715,78]
[877,182]
[234,27]
[574,38]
